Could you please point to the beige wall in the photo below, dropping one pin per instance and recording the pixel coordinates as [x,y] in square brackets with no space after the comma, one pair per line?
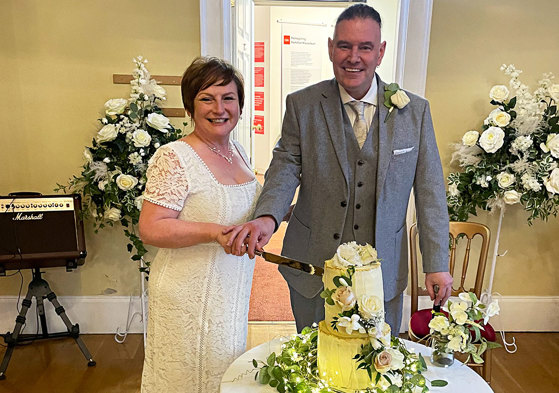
[469,42]
[57,59]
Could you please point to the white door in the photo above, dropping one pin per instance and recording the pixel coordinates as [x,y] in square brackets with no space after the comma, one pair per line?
[241,16]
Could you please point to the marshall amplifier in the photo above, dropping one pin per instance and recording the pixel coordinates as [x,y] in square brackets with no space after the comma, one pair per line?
[40,231]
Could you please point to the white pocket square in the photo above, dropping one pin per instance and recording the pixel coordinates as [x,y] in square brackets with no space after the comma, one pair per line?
[397,152]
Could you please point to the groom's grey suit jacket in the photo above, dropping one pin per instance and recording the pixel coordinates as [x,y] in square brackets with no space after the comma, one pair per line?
[312,153]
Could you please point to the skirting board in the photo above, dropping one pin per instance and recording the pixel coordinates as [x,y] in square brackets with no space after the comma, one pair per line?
[107,314]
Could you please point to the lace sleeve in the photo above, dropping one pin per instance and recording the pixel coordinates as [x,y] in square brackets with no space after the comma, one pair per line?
[167,185]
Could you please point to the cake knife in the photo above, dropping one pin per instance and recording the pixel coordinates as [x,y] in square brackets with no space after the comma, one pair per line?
[292,263]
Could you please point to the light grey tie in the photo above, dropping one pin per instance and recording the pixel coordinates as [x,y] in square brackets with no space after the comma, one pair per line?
[360,128]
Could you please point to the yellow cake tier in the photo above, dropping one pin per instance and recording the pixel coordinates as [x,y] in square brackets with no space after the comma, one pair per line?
[335,360]
[366,281]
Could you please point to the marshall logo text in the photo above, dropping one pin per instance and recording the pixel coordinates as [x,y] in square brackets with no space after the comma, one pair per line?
[27,217]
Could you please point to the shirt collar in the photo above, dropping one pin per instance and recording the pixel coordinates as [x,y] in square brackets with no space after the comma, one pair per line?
[370,98]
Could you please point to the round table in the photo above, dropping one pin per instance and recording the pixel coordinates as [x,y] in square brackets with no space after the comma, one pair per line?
[239,377]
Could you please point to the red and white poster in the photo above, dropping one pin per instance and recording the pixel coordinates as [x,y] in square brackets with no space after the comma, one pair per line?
[258,76]
[259,124]
[259,101]
[259,52]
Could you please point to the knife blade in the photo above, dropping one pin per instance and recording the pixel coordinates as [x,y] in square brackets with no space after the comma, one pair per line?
[292,263]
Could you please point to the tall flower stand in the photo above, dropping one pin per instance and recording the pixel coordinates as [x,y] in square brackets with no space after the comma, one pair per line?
[487,295]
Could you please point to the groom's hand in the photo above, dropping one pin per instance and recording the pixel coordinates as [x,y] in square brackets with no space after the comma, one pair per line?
[444,281]
[253,235]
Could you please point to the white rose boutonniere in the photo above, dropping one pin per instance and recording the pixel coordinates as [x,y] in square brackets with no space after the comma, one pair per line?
[115,106]
[394,97]
[492,139]
[159,122]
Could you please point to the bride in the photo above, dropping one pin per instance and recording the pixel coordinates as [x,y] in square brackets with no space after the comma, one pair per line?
[198,189]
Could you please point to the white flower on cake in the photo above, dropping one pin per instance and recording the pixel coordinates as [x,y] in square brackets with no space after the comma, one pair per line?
[380,338]
[115,106]
[344,297]
[353,254]
[370,306]
[351,324]
[389,359]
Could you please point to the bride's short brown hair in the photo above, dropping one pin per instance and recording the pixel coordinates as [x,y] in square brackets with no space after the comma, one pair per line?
[205,72]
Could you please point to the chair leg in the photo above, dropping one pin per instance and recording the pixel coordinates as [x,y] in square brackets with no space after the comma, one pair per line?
[486,369]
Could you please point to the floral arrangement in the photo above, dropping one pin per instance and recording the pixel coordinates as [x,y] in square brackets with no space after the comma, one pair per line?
[514,160]
[458,329]
[114,173]
[295,369]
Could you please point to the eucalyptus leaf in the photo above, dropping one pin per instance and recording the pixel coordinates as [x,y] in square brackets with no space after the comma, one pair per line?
[439,383]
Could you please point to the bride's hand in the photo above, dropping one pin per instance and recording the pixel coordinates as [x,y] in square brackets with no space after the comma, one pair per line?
[231,234]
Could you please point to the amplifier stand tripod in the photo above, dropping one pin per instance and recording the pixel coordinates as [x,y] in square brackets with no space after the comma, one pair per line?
[39,289]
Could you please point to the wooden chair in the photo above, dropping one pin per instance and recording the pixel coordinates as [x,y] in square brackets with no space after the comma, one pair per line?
[468,230]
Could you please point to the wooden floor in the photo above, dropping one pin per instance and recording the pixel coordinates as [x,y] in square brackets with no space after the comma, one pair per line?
[57,366]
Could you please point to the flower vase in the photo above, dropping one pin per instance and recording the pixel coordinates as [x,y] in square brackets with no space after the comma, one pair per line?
[441,355]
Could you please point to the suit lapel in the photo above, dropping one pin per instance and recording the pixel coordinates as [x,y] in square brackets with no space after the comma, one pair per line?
[332,108]
[386,138]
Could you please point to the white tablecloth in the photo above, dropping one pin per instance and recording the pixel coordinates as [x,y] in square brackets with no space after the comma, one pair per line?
[240,379]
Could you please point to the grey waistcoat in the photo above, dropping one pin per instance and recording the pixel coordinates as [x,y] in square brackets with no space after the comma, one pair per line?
[361,206]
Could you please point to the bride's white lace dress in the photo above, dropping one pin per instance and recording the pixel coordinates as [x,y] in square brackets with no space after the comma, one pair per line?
[198,295]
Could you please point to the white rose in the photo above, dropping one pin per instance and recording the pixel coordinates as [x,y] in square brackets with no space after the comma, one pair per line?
[511,197]
[102,184]
[554,92]
[505,179]
[382,362]
[499,118]
[492,139]
[106,134]
[499,93]
[113,214]
[141,138]
[368,254]
[344,297]
[126,182]
[551,145]
[439,323]
[470,138]
[400,99]
[397,362]
[370,306]
[87,155]
[116,106]
[348,254]
[159,122]
[453,190]
[138,202]
[552,182]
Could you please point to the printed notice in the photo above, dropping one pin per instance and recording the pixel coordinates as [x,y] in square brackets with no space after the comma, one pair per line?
[259,101]
[259,124]
[258,76]
[259,52]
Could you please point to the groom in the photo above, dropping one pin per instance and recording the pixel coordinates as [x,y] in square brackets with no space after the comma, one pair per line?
[356,164]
